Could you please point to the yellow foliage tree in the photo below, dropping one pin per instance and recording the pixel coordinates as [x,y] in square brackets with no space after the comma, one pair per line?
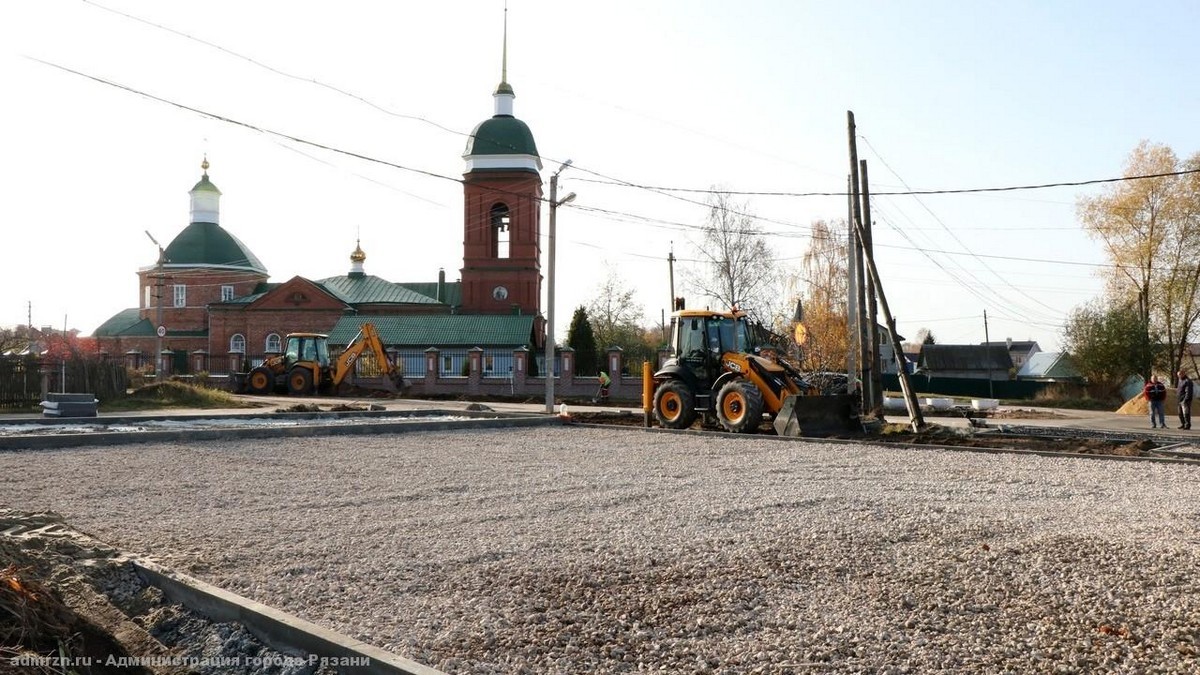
[1150,229]
[825,270]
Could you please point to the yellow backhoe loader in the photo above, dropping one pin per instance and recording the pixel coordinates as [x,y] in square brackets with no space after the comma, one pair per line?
[305,366]
[721,370]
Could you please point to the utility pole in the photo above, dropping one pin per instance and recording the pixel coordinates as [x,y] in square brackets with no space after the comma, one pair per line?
[864,340]
[555,202]
[987,348]
[917,421]
[671,272]
[851,293]
[872,296]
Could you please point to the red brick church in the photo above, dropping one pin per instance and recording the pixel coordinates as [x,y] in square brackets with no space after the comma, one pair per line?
[208,305]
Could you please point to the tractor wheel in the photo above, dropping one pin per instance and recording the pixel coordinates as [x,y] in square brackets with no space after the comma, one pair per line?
[300,382]
[261,381]
[674,405]
[740,407]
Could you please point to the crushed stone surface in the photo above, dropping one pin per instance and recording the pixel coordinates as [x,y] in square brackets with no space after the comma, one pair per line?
[570,550]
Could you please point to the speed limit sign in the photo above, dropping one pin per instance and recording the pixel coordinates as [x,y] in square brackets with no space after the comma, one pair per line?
[162,331]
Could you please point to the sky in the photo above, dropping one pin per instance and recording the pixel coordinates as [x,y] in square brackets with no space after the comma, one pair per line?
[325,123]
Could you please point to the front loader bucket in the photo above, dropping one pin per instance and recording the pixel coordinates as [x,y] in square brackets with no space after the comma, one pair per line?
[801,415]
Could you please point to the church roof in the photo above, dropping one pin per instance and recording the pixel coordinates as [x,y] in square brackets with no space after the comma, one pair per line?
[451,291]
[125,323]
[501,135]
[369,289]
[205,184]
[210,245]
[443,330]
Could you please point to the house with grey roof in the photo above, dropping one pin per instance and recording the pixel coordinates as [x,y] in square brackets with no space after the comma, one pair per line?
[965,361]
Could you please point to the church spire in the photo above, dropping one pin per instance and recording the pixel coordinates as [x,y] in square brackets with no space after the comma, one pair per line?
[504,92]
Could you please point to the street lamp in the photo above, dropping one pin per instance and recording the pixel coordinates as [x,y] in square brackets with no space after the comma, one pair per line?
[158,323]
[555,202]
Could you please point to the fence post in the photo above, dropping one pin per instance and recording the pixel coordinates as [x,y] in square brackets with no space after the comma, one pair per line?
[475,373]
[432,360]
[614,366]
[566,376]
[519,369]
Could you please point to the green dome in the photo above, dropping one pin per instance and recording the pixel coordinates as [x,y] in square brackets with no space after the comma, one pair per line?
[209,245]
[206,185]
[501,135]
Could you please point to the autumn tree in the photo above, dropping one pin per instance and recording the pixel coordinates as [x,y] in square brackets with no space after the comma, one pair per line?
[827,332]
[582,339]
[736,264]
[1150,229]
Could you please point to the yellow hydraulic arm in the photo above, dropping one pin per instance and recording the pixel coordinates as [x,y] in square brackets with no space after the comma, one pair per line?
[367,338]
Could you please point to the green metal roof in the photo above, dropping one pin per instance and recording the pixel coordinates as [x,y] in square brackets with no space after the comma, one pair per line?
[259,291]
[125,323]
[441,330]
[206,185]
[501,135]
[368,289]
[210,245]
[451,291]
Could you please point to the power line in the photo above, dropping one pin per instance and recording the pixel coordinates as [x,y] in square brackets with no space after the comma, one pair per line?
[900,193]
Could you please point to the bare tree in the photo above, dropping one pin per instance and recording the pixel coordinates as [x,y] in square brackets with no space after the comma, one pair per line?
[737,266]
[615,318]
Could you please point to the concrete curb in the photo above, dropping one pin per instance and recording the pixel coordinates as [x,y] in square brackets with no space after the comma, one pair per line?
[279,630]
[480,421]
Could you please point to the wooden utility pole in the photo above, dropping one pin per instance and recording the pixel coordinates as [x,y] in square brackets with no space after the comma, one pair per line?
[671,272]
[872,298]
[864,339]
[917,421]
[852,268]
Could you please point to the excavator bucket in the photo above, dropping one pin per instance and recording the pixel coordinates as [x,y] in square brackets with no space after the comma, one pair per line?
[802,415]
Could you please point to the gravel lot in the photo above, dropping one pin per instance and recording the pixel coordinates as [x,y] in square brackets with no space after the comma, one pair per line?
[560,550]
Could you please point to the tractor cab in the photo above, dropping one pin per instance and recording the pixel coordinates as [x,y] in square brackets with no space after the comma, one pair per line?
[307,348]
[699,339]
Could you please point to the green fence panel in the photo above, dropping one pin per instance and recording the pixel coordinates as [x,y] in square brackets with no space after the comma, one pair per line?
[960,386]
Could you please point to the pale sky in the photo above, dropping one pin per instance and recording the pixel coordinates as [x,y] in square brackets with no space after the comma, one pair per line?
[751,96]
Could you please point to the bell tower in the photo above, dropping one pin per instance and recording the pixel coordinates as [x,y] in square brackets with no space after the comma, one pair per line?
[502,199]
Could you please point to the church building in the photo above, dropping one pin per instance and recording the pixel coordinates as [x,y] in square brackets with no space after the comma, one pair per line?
[207,303]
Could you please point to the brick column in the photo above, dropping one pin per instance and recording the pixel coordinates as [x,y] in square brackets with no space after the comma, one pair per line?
[567,377]
[475,373]
[520,369]
[612,363]
[433,356]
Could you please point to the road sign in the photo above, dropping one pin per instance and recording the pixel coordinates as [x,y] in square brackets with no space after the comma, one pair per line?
[162,331]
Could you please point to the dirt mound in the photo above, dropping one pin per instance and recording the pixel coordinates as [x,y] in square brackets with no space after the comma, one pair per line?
[1138,405]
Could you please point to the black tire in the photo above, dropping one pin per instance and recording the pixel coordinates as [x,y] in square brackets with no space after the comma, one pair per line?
[674,405]
[260,381]
[300,381]
[740,407]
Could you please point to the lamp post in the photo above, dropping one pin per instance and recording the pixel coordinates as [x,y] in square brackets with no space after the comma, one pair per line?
[555,202]
[158,322]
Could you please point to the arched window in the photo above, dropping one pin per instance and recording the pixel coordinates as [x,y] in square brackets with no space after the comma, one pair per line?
[273,343]
[237,343]
[501,231]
